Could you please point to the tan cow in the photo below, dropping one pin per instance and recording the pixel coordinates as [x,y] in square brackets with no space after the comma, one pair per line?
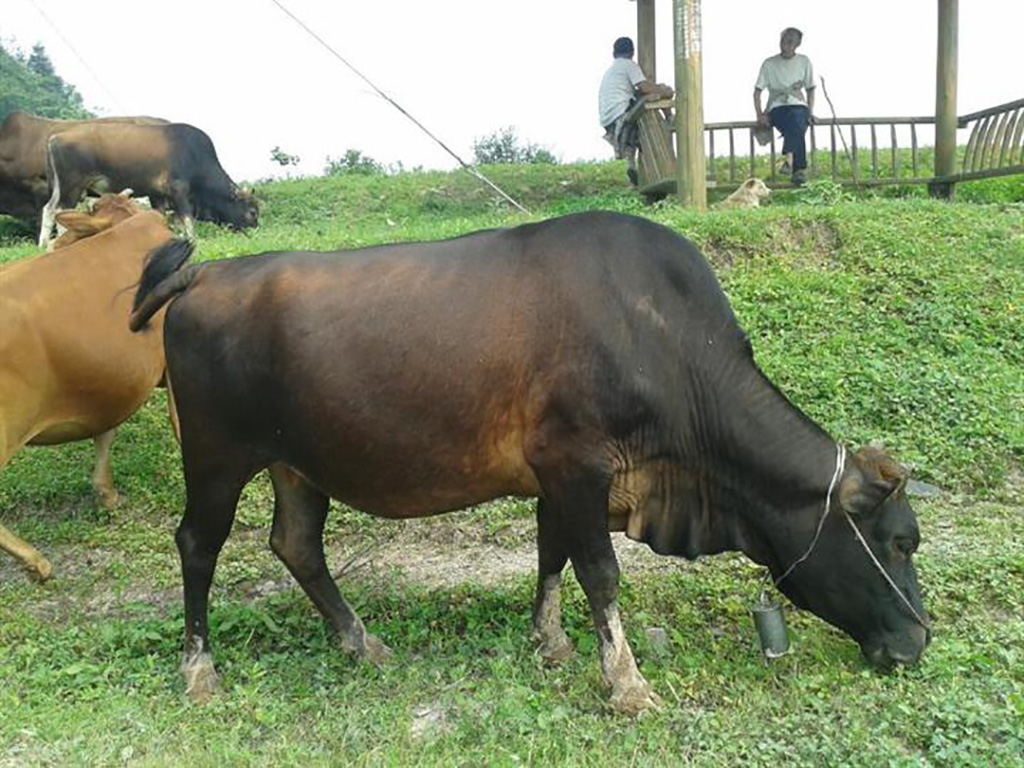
[24,189]
[69,367]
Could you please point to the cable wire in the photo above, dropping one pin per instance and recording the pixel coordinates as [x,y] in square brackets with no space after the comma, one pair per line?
[81,59]
[465,166]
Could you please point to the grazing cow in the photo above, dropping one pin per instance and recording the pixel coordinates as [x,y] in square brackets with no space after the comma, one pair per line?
[175,165]
[592,361]
[24,189]
[69,367]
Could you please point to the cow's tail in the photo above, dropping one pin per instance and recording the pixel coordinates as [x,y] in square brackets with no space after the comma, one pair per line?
[162,279]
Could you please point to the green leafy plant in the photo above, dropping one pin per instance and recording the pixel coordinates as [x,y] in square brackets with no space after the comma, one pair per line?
[505,146]
[353,162]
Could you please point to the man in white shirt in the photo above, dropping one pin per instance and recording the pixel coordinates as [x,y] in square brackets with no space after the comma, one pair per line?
[621,85]
[788,77]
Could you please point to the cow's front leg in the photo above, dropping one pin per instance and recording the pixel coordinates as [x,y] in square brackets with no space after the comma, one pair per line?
[102,478]
[552,642]
[598,573]
[580,506]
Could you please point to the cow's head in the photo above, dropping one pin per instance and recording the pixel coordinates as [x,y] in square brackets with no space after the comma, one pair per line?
[237,209]
[109,210]
[840,583]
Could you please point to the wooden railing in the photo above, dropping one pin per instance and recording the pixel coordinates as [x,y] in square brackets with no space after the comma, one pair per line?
[856,150]
[845,164]
[996,143]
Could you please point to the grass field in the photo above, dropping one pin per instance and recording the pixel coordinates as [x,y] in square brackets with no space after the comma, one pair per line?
[884,318]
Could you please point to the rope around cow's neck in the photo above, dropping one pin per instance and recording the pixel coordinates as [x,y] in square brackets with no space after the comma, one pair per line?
[840,462]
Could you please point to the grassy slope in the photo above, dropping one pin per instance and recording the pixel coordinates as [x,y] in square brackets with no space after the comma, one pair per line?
[897,320]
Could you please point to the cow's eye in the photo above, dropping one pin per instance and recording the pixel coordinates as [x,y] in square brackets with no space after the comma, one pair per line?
[905,545]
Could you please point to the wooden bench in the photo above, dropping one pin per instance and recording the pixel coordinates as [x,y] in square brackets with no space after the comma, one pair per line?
[656,163]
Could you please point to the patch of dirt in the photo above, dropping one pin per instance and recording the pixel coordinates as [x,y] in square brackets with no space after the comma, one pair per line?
[432,554]
[808,244]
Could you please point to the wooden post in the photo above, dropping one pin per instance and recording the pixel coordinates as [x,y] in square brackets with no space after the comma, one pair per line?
[945,98]
[690,170]
[645,40]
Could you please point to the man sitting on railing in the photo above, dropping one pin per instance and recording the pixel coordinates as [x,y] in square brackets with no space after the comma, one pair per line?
[787,76]
[621,85]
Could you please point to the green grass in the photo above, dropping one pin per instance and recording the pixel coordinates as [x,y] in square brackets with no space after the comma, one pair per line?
[885,318]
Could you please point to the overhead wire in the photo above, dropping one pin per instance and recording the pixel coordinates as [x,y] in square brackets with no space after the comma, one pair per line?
[81,59]
[472,171]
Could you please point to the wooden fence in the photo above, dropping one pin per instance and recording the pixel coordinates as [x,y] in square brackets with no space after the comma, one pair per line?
[996,143]
[878,150]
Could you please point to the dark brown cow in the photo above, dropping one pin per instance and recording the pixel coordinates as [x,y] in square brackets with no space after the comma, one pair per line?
[174,165]
[69,367]
[24,189]
[591,361]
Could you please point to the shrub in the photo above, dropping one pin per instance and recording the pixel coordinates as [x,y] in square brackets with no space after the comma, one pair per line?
[354,162]
[503,146]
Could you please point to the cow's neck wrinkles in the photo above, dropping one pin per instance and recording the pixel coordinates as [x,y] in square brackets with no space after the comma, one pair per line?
[762,463]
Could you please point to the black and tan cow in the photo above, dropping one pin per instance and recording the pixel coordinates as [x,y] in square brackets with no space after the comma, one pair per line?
[24,189]
[174,165]
[69,367]
[591,361]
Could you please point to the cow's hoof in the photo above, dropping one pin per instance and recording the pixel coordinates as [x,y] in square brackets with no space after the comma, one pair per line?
[633,698]
[374,651]
[40,569]
[108,498]
[555,649]
[201,680]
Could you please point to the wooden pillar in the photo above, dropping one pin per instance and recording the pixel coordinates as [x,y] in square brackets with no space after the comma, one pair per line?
[645,45]
[690,171]
[945,97]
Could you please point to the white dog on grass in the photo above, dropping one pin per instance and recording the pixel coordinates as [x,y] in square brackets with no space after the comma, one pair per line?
[749,195]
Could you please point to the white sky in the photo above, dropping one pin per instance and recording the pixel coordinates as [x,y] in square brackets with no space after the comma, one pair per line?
[246,74]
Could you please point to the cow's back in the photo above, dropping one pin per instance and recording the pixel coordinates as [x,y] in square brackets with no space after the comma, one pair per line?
[447,354]
[64,326]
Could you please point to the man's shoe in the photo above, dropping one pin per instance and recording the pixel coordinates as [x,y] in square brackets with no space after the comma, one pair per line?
[633,178]
[799,177]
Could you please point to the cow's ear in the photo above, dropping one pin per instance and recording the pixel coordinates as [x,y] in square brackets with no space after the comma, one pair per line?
[82,223]
[869,478]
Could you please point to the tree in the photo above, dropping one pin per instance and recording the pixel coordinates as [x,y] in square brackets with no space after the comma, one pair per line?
[353,161]
[32,85]
[503,146]
[39,62]
[282,158]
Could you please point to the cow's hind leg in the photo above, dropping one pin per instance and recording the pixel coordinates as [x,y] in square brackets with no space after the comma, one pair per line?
[38,566]
[297,538]
[580,507]
[49,217]
[102,479]
[552,642]
[211,498]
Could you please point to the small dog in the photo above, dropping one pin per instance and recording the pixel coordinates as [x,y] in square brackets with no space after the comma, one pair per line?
[749,195]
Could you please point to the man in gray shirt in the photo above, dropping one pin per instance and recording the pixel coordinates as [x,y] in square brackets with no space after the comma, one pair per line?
[788,76]
[621,85]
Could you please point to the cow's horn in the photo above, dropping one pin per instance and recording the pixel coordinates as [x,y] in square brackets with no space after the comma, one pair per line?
[126,192]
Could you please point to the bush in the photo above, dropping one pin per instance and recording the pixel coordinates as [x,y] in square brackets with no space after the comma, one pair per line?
[353,162]
[503,146]
[822,192]
[282,158]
